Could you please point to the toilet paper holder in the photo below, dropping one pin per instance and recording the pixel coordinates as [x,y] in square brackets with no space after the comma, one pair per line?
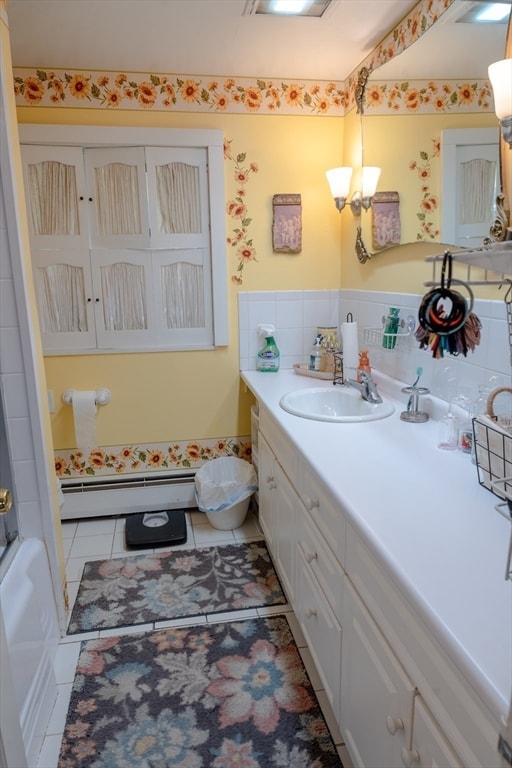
[103,396]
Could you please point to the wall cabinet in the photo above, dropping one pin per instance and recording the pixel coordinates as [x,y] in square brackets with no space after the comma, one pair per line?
[125,248]
[397,697]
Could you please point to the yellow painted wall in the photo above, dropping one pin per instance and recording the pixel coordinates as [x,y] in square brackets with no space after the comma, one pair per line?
[167,396]
[192,395]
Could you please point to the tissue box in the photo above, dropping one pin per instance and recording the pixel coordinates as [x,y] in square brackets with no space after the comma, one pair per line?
[493,453]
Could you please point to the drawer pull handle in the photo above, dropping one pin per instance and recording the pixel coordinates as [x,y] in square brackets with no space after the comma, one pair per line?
[394,724]
[410,757]
[310,613]
[311,503]
[310,556]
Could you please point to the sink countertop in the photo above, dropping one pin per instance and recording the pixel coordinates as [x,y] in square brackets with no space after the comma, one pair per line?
[424,514]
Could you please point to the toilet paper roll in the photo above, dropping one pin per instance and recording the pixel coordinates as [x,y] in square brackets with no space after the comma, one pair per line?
[350,339]
[84,415]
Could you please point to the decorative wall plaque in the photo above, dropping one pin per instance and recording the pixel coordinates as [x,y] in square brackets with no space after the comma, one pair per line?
[386,219]
[287,224]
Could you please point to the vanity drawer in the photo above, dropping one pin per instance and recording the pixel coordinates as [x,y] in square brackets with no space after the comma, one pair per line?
[324,511]
[280,444]
[323,635]
[321,562]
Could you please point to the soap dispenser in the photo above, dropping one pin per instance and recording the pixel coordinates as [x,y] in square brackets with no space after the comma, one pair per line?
[268,356]
[364,363]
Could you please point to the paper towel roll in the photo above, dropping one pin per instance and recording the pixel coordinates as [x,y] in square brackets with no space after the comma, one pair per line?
[350,350]
[84,414]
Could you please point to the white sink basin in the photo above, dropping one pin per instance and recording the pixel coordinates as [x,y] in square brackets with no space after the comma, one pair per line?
[337,404]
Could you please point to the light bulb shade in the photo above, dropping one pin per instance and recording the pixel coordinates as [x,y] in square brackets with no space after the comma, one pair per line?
[370,180]
[500,75]
[339,181]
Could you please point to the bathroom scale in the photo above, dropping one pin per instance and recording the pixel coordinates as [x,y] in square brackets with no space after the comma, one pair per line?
[151,529]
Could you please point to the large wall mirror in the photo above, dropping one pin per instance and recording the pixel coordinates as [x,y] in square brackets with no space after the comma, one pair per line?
[406,143]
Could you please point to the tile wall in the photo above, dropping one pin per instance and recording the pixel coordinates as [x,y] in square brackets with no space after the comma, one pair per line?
[296,314]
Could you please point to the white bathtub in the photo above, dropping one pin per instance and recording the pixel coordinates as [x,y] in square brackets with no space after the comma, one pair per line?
[27,611]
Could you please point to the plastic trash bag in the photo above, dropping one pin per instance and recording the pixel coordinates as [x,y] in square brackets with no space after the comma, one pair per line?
[223,482]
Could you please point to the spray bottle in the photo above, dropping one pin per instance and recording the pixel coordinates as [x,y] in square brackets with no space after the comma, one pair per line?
[268,356]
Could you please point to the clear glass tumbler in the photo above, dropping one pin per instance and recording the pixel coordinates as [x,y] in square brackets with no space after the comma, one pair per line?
[448,431]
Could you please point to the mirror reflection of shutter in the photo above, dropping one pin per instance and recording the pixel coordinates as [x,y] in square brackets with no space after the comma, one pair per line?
[470,185]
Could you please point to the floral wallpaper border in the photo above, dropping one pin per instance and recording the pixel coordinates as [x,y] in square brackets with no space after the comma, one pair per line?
[230,95]
[127,459]
[428,97]
[176,93]
[242,96]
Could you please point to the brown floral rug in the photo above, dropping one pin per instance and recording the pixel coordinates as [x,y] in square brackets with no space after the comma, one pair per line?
[209,696]
[140,589]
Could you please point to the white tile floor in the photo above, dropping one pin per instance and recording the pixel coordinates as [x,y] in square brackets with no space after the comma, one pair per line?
[102,538]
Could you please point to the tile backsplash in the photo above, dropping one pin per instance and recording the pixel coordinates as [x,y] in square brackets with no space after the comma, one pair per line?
[296,315]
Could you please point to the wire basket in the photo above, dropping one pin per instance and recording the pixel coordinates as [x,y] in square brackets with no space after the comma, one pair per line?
[493,454]
[377,337]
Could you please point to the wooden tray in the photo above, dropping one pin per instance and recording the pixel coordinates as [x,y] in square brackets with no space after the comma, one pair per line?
[303,370]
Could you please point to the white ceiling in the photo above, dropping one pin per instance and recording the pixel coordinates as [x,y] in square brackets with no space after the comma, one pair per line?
[197,37]
[214,38]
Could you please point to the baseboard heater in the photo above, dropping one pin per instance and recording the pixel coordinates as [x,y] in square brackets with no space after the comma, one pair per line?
[109,496]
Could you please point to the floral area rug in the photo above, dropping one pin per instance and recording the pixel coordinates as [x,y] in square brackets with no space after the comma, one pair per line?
[209,696]
[140,589]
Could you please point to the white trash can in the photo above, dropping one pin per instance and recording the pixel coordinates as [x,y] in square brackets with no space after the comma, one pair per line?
[223,490]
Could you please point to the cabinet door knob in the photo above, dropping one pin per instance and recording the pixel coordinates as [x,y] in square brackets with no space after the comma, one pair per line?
[5,501]
[410,757]
[394,724]
[311,503]
[310,612]
[310,556]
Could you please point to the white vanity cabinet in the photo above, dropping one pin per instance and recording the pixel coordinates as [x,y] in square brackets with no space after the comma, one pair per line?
[395,683]
[400,603]
[377,695]
[395,671]
[430,747]
[280,515]
[294,508]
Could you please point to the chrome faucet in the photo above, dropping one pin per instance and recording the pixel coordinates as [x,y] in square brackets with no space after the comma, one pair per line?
[367,387]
